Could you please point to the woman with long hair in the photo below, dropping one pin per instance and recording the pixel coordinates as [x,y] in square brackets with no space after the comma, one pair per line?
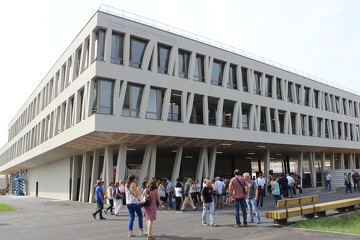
[131,193]
[110,195]
[150,211]
[117,202]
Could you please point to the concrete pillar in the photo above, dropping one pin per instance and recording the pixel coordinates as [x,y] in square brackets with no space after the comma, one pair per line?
[300,166]
[149,163]
[312,169]
[85,175]
[121,162]
[74,177]
[323,162]
[358,161]
[267,163]
[203,164]
[342,161]
[94,173]
[351,162]
[153,162]
[332,163]
[212,162]
[177,164]
[108,165]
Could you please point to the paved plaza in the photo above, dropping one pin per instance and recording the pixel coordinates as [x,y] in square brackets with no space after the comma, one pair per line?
[40,218]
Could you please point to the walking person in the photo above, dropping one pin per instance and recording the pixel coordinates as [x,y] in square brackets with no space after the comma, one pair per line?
[150,211]
[170,189]
[328,181]
[355,179]
[283,182]
[99,197]
[187,196]
[220,187]
[208,204]
[178,195]
[131,192]
[275,190]
[238,193]
[261,183]
[252,198]
[348,182]
[110,196]
[118,201]
[161,189]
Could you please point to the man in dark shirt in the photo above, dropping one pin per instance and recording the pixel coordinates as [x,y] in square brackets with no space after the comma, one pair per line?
[284,186]
[99,197]
[208,204]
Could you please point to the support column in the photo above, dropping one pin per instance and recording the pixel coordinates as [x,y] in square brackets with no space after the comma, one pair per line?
[323,162]
[267,163]
[74,177]
[121,163]
[152,162]
[300,167]
[85,175]
[149,163]
[342,161]
[351,162]
[108,166]
[312,169]
[177,164]
[94,173]
[212,162]
[332,163]
[202,164]
[358,160]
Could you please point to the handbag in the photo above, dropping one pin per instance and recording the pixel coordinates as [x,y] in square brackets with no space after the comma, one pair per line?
[118,196]
[145,199]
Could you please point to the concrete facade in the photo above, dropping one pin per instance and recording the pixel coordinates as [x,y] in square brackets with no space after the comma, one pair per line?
[127,93]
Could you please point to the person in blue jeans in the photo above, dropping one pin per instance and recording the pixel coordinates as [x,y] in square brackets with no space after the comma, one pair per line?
[252,198]
[131,193]
[170,189]
[237,190]
[99,197]
[208,204]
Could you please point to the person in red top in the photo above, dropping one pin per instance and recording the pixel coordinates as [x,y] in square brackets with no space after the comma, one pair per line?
[238,186]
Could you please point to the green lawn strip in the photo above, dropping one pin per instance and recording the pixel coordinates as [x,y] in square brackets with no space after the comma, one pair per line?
[346,223]
[4,208]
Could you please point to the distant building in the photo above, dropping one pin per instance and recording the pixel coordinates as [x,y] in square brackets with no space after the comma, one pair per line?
[127,97]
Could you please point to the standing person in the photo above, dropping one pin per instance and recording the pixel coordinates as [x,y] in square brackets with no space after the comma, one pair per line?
[161,189]
[220,187]
[110,195]
[197,190]
[252,198]
[238,193]
[208,204]
[328,181]
[99,197]
[187,196]
[227,192]
[131,192]
[349,179]
[269,184]
[355,181]
[150,211]
[170,193]
[284,186]
[194,193]
[118,202]
[178,195]
[122,192]
[290,181]
[94,189]
[260,182]
[275,190]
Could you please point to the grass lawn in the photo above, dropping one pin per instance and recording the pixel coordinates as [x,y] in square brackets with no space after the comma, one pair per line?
[4,207]
[346,223]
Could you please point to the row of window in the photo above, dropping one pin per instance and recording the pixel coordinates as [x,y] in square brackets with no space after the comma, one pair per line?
[237,77]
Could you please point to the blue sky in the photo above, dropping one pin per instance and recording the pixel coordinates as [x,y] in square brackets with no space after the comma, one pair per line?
[318,37]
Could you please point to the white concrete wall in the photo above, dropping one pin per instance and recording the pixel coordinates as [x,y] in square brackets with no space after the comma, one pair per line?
[53,179]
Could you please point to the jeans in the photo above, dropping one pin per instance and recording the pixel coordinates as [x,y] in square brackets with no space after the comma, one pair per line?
[170,200]
[328,184]
[178,203]
[261,196]
[100,207]
[111,201]
[210,207]
[240,203]
[285,191]
[251,204]
[276,198]
[132,208]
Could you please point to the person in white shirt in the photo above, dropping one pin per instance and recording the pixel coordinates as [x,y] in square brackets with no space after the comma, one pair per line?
[261,182]
[290,184]
[328,180]
[220,187]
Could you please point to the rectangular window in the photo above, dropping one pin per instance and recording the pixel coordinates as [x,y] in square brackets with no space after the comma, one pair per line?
[307,96]
[279,93]
[132,101]
[311,126]
[184,59]
[212,110]
[163,58]
[197,115]
[257,83]
[344,107]
[77,62]
[268,85]
[244,77]
[319,127]
[263,123]
[104,92]
[100,44]
[298,93]
[302,124]
[137,50]
[290,92]
[175,106]
[117,48]
[87,53]
[217,73]
[281,121]
[351,108]
[228,112]
[337,104]
[273,120]
[245,115]
[199,69]
[155,103]
[316,98]
[80,104]
[63,77]
[232,83]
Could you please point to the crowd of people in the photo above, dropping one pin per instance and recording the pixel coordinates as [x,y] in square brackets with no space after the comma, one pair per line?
[242,191]
[351,180]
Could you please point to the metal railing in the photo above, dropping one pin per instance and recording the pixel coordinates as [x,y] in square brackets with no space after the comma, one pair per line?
[199,38]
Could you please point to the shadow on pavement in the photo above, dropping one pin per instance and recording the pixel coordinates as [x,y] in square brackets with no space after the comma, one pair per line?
[172,237]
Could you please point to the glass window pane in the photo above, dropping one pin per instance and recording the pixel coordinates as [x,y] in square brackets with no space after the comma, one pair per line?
[117,48]
[163,59]
[137,50]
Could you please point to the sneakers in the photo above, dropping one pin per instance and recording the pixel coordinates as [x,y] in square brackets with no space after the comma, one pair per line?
[237,225]
[205,224]
[213,225]
[131,235]
[94,215]
[142,233]
[195,209]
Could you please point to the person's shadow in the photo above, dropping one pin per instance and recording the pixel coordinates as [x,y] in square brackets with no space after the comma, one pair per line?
[171,237]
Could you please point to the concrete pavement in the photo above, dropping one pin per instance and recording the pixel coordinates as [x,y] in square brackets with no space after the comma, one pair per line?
[40,218]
